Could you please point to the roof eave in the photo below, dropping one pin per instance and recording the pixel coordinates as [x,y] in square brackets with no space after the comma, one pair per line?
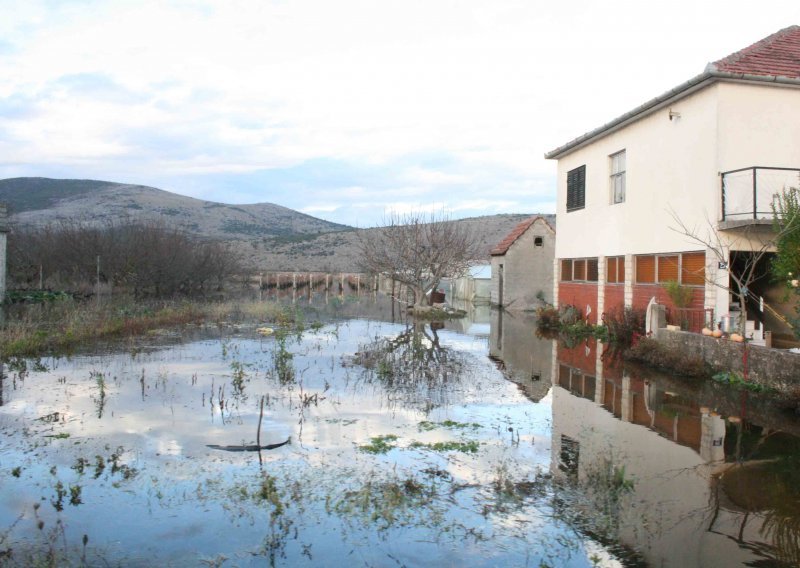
[710,75]
[650,106]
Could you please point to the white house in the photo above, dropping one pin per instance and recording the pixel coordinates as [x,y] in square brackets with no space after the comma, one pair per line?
[710,154]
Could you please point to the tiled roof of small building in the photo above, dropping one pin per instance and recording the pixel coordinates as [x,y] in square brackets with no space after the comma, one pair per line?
[775,56]
[516,233]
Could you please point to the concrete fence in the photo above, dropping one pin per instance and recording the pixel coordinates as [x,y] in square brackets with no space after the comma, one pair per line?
[773,368]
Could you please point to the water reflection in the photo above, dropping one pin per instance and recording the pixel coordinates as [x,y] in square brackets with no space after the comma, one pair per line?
[709,486]
[411,443]
[414,367]
[523,357]
[450,485]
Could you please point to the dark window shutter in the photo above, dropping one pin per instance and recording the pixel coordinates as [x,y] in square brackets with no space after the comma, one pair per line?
[576,188]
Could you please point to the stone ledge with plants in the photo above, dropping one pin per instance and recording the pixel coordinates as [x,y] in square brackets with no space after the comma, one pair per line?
[623,329]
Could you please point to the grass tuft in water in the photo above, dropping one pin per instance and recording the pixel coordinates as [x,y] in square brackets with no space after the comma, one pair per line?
[468,447]
[379,444]
[427,426]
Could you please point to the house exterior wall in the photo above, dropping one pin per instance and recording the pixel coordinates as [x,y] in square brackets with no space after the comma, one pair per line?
[759,125]
[527,269]
[582,295]
[671,164]
[498,267]
[673,168]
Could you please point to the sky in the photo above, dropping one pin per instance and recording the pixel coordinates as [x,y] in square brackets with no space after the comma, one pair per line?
[343,109]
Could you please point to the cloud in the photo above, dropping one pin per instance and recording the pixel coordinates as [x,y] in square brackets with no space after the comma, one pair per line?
[352,105]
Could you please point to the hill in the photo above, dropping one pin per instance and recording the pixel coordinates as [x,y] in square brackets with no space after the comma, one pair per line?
[42,201]
[268,237]
[334,252]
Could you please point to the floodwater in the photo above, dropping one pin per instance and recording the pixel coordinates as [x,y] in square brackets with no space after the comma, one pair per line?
[470,443]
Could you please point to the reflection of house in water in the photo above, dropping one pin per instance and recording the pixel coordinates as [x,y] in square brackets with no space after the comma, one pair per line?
[524,358]
[685,463]
[475,322]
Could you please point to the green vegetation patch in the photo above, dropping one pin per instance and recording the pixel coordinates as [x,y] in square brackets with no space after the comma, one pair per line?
[36,296]
[379,444]
[467,447]
[59,436]
[427,426]
[738,381]
[234,226]
[383,504]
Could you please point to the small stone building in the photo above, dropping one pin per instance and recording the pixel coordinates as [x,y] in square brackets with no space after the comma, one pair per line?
[522,265]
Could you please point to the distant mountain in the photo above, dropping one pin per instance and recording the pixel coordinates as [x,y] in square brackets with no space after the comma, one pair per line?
[268,237]
[41,201]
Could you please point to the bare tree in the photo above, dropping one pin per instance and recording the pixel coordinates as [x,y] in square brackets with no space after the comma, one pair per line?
[418,250]
[757,240]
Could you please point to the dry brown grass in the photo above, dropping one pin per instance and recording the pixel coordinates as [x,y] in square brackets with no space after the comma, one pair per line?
[61,326]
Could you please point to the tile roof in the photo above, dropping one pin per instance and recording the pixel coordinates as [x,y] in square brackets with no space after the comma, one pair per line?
[516,233]
[775,56]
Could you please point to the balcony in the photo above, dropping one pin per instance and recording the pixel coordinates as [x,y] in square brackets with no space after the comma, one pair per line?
[748,194]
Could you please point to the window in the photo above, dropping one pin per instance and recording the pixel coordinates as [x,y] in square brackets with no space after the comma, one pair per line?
[693,268]
[579,270]
[668,268]
[687,268]
[617,177]
[566,270]
[591,270]
[615,270]
[645,269]
[538,241]
[576,188]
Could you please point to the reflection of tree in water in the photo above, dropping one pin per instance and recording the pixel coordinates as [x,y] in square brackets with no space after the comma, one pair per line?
[414,366]
[763,484]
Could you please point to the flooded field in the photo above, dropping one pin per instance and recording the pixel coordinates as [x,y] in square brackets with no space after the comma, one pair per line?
[346,439]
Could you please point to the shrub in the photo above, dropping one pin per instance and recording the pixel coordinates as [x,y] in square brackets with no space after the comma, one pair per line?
[548,317]
[150,258]
[681,296]
[625,326]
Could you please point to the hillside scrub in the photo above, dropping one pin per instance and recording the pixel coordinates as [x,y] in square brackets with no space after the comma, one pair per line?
[148,258]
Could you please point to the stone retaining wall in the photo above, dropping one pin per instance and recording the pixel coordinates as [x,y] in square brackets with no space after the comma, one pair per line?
[773,368]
